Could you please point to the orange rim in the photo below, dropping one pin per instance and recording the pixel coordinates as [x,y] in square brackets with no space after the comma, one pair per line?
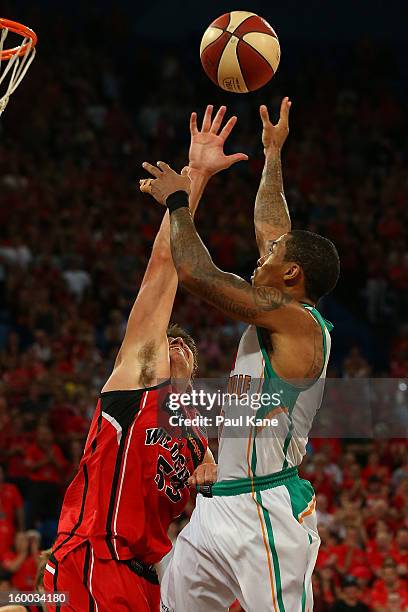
[17,28]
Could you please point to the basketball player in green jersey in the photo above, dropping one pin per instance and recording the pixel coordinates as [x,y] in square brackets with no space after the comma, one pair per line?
[255,538]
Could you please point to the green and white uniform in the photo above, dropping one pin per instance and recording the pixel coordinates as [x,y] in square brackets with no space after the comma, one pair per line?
[256,539]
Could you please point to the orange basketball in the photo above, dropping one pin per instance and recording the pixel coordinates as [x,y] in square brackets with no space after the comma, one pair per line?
[240,52]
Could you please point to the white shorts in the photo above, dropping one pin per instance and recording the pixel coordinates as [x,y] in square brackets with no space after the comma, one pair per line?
[259,547]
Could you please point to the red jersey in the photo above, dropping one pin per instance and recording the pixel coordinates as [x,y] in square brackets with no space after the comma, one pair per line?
[356,557]
[132,479]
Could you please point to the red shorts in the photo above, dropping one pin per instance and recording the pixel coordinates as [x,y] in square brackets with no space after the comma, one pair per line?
[99,585]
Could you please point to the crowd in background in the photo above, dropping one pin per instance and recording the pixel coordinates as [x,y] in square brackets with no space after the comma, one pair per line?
[75,237]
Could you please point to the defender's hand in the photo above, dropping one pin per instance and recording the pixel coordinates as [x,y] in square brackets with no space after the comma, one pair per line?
[207,145]
[167,181]
[206,473]
[274,136]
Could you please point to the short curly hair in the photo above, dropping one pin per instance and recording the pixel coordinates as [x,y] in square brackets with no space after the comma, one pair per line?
[319,260]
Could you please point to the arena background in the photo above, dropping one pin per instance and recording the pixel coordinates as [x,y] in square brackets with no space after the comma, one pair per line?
[113,84]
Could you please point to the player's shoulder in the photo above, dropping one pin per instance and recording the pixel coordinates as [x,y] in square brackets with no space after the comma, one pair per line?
[120,402]
[111,392]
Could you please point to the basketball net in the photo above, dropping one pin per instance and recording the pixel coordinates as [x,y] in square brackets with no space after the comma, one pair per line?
[14,64]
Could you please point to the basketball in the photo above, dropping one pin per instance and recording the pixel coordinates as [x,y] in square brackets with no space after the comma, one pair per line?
[240,52]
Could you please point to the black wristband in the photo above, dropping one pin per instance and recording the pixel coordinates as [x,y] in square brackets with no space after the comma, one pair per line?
[176,200]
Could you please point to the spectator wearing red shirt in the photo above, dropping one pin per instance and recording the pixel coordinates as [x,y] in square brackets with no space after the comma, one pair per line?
[349,514]
[363,576]
[327,551]
[374,467]
[379,549]
[379,509]
[350,553]
[73,420]
[331,447]
[401,551]
[11,513]
[321,481]
[324,517]
[17,443]
[390,592]
[352,481]
[46,465]
[400,501]
[23,560]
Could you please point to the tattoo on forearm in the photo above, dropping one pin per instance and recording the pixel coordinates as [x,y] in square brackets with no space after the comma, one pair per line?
[214,292]
[186,246]
[231,307]
[271,208]
[230,293]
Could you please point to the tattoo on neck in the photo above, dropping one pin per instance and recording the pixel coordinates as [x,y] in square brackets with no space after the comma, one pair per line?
[269,298]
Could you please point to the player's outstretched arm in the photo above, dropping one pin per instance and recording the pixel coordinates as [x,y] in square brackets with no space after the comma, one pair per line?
[264,306]
[143,356]
[271,215]
[143,359]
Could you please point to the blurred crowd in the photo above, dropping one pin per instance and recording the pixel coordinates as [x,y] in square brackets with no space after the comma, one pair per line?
[75,236]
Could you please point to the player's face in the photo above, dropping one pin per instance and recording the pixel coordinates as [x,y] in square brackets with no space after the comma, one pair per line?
[269,270]
[181,359]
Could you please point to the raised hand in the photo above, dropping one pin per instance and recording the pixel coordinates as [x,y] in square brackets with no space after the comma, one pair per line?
[166,181]
[274,136]
[207,145]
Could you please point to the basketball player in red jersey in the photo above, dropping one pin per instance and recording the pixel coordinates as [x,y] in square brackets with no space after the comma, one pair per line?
[133,478]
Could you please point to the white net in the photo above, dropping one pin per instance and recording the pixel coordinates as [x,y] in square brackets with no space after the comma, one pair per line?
[13,70]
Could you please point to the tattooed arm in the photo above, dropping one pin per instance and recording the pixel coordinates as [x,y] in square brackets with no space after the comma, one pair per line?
[266,307]
[271,211]
[271,214]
